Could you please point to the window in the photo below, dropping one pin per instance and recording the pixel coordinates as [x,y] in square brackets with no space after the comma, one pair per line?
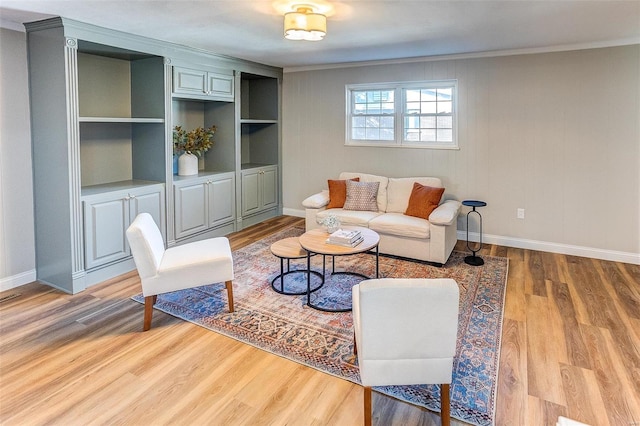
[426,112]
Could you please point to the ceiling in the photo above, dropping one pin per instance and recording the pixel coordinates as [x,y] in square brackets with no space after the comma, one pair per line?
[357,30]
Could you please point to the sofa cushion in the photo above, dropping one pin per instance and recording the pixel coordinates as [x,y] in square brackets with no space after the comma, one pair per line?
[362,196]
[349,217]
[401,225]
[338,192]
[423,200]
[317,201]
[399,191]
[382,189]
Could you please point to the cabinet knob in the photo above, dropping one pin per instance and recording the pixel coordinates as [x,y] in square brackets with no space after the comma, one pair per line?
[132,196]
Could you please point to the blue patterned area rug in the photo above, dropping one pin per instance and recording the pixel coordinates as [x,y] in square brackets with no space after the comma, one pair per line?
[285,326]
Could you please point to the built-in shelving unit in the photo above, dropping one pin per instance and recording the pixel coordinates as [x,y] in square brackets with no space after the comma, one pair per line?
[259,147]
[104,104]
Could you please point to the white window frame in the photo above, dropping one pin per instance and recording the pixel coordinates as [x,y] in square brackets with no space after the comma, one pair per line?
[399,114]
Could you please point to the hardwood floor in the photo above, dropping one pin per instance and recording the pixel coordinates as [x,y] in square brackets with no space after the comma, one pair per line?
[570,346]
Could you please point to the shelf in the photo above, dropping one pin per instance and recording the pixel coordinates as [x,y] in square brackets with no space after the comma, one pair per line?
[119,120]
[201,174]
[247,166]
[116,186]
[254,121]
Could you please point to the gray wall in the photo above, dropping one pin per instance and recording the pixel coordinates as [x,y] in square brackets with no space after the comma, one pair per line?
[17,247]
[556,134]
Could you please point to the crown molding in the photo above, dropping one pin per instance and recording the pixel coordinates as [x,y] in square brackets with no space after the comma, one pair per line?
[470,55]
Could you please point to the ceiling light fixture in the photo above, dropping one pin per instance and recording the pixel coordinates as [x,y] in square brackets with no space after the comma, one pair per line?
[304,24]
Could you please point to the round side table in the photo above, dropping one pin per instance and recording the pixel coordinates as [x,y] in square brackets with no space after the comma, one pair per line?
[473,259]
[289,248]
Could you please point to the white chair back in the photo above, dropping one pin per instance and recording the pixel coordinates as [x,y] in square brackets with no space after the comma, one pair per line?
[408,330]
[147,245]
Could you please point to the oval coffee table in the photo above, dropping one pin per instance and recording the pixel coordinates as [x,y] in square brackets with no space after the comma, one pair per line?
[315,242]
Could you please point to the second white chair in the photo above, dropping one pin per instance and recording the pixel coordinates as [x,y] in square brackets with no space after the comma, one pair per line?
[186,266]
[405,334]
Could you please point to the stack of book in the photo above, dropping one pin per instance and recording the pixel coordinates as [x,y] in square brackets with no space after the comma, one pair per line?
[342,237]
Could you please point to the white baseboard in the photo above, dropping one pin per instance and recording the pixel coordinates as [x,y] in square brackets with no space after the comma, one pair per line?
[17,280]
[551,247]
[596,253]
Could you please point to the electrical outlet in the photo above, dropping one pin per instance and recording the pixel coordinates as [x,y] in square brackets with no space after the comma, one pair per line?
[520,213]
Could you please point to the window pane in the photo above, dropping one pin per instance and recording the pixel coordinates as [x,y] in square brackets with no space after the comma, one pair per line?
[411,135]
[428,108]
[360,108]
[444,122]
[358,122]
[413,95]
[428,94]
[445,135]
[388,108]
[387,134]
[360,97]
[412,122]
[444,94]
[428,122]
[444,107]
[373,121]
[428,135]
[358,133]
[386,122]
[373,134]
[413,107]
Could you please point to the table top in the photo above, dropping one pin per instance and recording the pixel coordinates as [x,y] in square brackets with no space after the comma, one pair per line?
[474,203]
[315,241]
[288,248]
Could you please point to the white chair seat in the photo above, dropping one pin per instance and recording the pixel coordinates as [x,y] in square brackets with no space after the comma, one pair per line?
[204,259]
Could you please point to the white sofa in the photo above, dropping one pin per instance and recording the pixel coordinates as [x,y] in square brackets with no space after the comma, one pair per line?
[430,240]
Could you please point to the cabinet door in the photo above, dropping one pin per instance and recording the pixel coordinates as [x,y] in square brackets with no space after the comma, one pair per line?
[222,201]
[148,201]
[269,187]
[105,222]
[220,85]
[189,81]
[250,192]
[190,209]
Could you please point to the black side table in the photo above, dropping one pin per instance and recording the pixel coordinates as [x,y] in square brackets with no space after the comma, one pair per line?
[473,259]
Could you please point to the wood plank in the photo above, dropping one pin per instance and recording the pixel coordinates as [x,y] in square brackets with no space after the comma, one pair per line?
[543,373]
[619,400]
[584,401]
[512,379]
[572,342]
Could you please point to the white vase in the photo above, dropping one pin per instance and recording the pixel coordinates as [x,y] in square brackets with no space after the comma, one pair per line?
[187,164]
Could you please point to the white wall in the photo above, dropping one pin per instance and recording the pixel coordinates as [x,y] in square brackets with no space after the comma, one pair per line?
[17,247]
[557,134]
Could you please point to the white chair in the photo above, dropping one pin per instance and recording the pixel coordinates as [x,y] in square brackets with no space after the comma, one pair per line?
[405,334]
[176,268]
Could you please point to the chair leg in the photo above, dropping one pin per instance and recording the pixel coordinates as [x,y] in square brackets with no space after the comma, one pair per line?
[355,344]
[445,404]
[149,301]
[367,406]
[229,286]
